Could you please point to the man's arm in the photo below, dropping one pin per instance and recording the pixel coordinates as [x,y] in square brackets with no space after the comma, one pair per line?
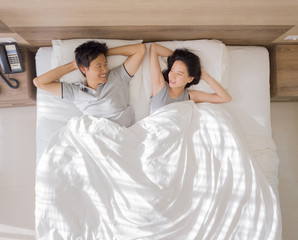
[48,81]
[135,54]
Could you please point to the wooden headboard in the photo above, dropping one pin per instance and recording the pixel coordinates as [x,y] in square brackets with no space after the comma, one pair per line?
[228,34]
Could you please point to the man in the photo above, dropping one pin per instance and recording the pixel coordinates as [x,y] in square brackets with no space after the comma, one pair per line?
[105,93]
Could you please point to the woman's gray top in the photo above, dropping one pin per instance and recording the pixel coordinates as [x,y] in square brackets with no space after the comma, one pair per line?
[163,98]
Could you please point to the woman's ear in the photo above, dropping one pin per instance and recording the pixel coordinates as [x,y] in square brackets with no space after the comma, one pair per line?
[190,79]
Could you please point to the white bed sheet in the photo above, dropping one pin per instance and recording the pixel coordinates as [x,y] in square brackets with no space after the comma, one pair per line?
[185,172]
[249,87]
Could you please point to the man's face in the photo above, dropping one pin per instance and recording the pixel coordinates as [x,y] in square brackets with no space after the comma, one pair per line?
[97,71]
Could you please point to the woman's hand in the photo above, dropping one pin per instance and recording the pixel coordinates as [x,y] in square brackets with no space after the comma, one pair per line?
[205,76]
[220,95]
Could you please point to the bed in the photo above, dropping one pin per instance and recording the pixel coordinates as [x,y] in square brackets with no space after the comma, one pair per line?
[189,171]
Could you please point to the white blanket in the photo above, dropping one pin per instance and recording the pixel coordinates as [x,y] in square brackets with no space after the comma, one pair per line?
[184,172]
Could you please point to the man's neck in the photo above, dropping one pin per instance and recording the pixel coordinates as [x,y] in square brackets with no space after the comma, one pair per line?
[93,86]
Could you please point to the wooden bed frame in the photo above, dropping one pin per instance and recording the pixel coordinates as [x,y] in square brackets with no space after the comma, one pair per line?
[229,34]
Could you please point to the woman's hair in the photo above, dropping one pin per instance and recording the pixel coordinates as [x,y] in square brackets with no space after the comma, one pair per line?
[88,51]
[191,61]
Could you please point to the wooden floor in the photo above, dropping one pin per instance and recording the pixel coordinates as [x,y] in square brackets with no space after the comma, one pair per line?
[284,120]
[17,169]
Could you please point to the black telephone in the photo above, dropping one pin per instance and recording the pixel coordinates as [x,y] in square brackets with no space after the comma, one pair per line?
[11,62]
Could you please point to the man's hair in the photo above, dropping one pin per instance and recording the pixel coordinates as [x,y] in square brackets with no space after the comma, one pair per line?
[88,51]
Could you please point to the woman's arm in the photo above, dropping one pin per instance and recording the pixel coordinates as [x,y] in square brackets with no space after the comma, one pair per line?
[135,53]
[157,79]
[220,95]
[48,80]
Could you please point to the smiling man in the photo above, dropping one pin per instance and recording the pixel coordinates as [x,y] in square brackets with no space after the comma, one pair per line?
[105,93]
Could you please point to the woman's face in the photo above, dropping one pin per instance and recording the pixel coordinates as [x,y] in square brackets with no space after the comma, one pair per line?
[97,71]
[178,75]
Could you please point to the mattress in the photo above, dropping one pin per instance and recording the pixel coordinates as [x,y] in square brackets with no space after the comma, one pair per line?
[249,87]
[201,176]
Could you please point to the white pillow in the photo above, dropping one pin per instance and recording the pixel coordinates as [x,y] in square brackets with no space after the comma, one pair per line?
[43,60]
[214,59]
[63,53]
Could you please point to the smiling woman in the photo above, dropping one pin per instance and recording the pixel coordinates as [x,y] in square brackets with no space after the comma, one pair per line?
[183,70]
[179,74]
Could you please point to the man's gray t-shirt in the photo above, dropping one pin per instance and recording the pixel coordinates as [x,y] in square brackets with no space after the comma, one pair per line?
[163,98]
[110,100]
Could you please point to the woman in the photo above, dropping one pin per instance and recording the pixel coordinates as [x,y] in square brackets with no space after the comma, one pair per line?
[183,70]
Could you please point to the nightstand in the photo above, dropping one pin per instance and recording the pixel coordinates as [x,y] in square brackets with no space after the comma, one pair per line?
[284,73]
[25,94]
